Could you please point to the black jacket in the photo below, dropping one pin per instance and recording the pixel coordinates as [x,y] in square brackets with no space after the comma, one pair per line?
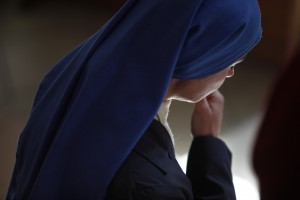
[152,172]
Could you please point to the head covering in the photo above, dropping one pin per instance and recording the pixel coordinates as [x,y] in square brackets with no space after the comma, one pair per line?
[95,104]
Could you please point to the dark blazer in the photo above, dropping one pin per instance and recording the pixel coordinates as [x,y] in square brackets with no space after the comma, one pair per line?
[152,172]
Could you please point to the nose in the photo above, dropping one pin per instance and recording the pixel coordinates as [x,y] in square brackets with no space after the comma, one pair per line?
[230,72]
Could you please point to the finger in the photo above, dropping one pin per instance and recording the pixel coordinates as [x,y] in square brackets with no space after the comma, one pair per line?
[215,100]
[202,105]
[215,96]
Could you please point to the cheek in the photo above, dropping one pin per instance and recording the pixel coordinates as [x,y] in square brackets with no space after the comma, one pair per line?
[194,91]
[210,88]
[217,84]
[201,91]
[190,91]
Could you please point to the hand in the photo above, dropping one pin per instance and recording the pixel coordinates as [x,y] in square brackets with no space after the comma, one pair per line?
[207,115]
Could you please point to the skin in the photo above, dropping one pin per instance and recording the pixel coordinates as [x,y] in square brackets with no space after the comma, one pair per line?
[195,90]
[209,102]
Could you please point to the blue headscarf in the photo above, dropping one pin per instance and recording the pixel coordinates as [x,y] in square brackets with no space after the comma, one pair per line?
[94,105]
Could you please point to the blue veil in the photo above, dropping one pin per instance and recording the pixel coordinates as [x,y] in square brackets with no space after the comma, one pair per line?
[94,105]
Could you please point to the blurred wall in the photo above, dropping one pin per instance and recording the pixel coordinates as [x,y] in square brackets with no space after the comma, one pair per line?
[281,22]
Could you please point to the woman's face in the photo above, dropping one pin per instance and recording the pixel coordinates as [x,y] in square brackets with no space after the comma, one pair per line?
[195,90]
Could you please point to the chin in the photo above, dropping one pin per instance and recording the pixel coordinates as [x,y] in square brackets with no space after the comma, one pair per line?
[189,100]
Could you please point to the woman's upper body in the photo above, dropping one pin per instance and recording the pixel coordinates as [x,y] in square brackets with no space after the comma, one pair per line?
[151,170]
[101,97]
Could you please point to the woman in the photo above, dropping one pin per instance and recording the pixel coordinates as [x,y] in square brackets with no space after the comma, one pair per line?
[93,107]
[151,170]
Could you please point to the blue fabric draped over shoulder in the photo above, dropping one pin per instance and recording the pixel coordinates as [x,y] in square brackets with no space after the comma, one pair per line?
[94,105]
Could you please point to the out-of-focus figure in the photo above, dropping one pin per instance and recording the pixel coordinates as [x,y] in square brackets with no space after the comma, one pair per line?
[277,151]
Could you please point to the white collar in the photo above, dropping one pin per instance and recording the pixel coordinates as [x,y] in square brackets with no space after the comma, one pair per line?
[162,116]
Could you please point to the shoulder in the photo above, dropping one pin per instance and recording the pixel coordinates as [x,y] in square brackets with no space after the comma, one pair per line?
[151,170]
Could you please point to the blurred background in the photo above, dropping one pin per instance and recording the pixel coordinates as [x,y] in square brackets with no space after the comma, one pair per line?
[35,34]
